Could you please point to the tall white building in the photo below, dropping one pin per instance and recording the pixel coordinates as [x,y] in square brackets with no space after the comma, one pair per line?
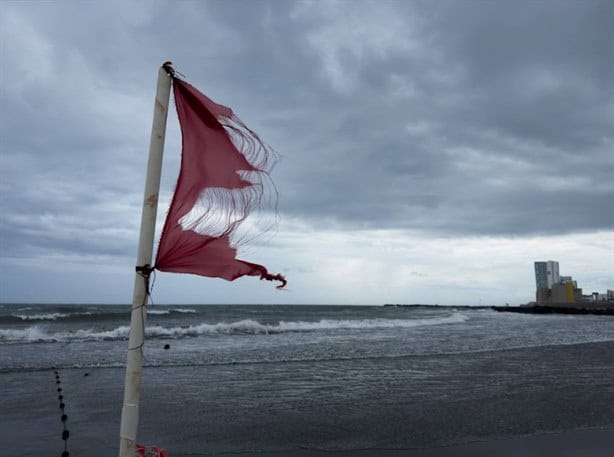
[546,274]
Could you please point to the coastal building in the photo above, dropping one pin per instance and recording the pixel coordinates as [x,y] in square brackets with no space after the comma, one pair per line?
[596,296]
[556,291]
[552,288]
[547,274]
[565,293]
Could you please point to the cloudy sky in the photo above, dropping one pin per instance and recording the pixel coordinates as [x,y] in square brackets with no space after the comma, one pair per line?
[431,151]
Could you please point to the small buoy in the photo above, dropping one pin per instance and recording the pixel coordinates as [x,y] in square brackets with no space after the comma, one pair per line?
[64,417]
[62,405]
[65,454]
[167,346]
[86,374]
[65,435]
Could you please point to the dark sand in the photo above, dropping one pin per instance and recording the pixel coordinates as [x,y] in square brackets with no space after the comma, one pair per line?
[31,424]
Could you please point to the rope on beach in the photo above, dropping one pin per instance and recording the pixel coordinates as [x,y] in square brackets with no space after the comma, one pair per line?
[63,417]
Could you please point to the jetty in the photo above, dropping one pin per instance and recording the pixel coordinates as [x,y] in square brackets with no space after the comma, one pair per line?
[601,308]
[604,308]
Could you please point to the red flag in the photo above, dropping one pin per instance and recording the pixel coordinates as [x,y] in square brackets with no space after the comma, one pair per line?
[224,176]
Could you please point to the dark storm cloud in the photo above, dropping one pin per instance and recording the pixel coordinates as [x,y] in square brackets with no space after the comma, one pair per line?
[491,86]
[453,117]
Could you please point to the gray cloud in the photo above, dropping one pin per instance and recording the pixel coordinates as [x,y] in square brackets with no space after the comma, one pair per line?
[455,118]
[498,84]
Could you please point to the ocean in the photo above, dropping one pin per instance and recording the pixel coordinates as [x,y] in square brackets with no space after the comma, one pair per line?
[299,380]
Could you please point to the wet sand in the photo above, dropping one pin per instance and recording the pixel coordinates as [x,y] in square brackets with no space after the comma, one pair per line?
[31,425]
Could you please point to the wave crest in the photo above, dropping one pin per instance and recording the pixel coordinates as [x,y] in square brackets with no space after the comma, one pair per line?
[96,315]
[35,334]
[252,327]
[40,317]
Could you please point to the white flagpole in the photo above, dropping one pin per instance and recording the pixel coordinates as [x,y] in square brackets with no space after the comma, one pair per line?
[132,388]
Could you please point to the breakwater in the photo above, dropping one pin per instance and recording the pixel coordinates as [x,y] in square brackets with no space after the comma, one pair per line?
[606,308]
[599,308]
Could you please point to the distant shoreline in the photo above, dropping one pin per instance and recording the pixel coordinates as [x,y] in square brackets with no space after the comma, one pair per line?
[422,305]
[563,308]
[606,308]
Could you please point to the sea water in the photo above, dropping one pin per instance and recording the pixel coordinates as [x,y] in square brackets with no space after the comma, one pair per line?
[254,378]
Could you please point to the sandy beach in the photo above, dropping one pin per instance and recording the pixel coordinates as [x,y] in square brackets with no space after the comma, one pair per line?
[32,426]
[312,382]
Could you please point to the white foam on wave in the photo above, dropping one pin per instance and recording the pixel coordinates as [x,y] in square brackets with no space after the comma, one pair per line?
[28,335]
[49,316]
[249,326]
[115,334]
[162,312]
[246,326]
[40,317]
[35,334]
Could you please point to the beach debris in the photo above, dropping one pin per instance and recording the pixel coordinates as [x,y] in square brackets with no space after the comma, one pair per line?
[150,451]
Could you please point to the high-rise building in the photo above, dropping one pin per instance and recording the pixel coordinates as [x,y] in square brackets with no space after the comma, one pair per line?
[541,277]
[553,273]
[546,274]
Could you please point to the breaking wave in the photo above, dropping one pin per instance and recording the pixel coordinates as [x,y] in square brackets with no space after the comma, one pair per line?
[100,314]
[48,316]
[36,334]
[163,312]
[39,317]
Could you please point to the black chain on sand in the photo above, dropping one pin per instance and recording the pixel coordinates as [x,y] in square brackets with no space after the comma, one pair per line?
[63,417]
